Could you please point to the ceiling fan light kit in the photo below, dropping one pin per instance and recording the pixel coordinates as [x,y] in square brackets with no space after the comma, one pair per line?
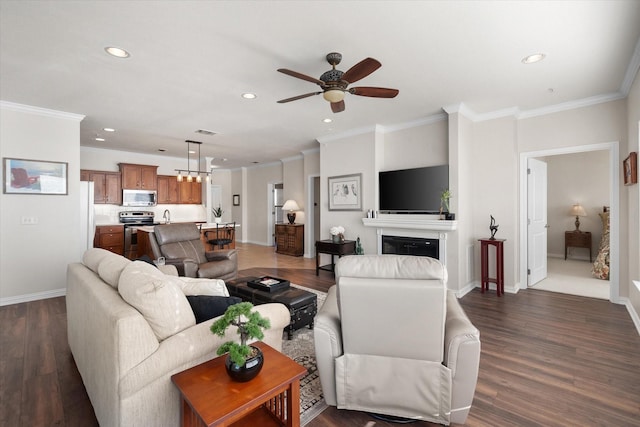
[334,82]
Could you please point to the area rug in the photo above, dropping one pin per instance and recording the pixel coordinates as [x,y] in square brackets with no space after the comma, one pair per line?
[301,349]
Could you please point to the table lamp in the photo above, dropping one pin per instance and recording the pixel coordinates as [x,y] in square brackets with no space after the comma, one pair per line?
[291,206]
[577,211]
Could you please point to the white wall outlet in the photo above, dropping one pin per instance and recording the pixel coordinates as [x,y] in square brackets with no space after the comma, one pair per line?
[29,220]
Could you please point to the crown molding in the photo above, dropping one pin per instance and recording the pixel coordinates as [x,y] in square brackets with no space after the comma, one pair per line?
[435,118]
[632,71]
[571,105]
[21,108]
[292,158]
[346,134]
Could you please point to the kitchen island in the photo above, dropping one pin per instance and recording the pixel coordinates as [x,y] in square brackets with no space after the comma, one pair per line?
[144,247]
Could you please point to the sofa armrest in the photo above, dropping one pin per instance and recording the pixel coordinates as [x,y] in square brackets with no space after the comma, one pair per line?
[327,335]
[169,269]
[462,356]
[221,255]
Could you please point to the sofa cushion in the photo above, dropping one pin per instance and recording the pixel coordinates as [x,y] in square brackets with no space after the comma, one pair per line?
[111,267]
[92,258]
[157,297]
[212,287]
[207,307]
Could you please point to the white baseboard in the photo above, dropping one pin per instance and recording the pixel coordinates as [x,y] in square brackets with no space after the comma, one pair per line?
[632,312]
[33,297]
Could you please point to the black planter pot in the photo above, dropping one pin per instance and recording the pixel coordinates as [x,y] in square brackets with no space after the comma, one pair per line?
[248,371]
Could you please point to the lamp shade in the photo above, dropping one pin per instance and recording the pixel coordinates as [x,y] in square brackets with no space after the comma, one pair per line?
[577,210]
[290,205]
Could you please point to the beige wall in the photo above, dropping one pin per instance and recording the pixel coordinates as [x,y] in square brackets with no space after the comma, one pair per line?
[34,258]
[256,208]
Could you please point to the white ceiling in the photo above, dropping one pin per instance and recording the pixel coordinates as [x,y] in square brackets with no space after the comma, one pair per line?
[191,61]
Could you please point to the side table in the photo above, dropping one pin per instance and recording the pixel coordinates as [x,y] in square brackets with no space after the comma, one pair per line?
[348,247]
[208,397]
[577,239]
[484,262]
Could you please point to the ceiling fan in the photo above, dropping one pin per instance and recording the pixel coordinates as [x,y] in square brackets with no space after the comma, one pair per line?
[334,82]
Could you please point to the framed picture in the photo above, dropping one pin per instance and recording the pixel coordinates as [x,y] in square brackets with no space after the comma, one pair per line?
[34,177]
[236,200]
[630,169]
[345,193]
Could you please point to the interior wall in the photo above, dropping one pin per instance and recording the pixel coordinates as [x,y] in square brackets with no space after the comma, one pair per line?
[34,258]
[294,185]
[221,177]
[257,209]
[426,143]
[576,178]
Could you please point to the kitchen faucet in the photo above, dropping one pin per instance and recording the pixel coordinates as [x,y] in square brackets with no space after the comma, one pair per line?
[166,216]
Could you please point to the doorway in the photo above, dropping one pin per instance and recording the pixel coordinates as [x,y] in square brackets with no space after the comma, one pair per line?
[612,150]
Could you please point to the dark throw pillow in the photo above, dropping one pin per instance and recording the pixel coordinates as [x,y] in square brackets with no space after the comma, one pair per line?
[147,259]
[207,307]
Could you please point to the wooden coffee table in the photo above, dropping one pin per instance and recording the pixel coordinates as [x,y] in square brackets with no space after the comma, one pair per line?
[208,397]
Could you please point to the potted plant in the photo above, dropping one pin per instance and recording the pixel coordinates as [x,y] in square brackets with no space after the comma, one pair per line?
[217,213]
[244,361]
[444,202]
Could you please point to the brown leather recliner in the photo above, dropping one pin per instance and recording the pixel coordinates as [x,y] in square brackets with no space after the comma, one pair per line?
[181,246]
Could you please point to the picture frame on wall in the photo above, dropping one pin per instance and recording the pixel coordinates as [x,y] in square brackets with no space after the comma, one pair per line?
[22,176]
[236,200]
[630,169]
[345,192]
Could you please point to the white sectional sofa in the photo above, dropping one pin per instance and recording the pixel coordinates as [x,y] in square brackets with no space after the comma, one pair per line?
[125,351]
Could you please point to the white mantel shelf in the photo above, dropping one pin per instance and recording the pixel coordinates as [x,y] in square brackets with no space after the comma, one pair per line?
[398,221]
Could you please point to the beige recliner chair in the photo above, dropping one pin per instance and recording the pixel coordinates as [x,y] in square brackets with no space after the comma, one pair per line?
[181,246]
[390,339]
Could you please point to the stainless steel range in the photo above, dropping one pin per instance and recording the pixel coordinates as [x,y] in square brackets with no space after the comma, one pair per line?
[131,221]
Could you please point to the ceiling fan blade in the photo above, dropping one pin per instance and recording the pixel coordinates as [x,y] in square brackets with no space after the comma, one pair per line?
[337,107]
[301,76]
[361,70]
[295,98]
[374,92]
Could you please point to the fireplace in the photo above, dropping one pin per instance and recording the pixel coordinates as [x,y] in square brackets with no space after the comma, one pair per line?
[417,246]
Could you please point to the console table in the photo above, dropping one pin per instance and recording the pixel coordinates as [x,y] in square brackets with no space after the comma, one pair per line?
[484,261]
[577,239]
[348,247]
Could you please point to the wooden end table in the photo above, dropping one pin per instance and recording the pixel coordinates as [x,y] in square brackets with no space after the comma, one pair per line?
[208,397]
[348,247]
[577,239]
[484,265]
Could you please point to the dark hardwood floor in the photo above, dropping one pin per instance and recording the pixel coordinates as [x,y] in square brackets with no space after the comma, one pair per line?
[547,359]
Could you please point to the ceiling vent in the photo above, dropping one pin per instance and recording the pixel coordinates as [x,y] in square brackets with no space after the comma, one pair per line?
[205,132]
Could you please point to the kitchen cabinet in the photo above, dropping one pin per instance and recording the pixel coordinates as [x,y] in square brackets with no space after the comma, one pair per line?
[110,237]
[290,239]
[190,192]
[138,177]
[167,190]
[107,187]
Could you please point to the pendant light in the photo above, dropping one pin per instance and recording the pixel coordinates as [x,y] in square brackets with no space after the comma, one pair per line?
[198,173]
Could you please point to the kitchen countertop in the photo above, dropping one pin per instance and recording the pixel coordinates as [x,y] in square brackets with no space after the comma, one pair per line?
[203,226]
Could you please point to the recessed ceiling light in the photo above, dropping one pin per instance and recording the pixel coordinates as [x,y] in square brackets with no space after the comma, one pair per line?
[100,139]
[536,57]
[327,120]
[117,52]
[109,129]
[249,95]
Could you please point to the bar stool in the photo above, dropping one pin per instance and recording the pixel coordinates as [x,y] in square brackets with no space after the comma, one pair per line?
[484,261]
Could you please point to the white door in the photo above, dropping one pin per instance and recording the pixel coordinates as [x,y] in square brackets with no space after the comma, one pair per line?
[537,221]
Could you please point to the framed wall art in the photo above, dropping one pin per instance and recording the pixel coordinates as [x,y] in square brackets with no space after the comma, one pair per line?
[345,192]
[630,169]
[236,200]
[23,176]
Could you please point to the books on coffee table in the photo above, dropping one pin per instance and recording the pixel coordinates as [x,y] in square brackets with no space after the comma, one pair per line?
[268,284]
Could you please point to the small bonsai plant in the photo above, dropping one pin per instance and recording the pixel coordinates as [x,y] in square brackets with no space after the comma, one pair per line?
[250,324]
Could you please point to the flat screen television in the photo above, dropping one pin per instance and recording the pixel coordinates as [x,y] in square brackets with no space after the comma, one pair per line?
[413,190]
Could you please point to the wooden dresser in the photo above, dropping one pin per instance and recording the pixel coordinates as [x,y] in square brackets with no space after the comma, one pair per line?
[290,239]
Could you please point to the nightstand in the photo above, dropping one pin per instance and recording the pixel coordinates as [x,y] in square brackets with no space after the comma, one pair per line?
[577,239]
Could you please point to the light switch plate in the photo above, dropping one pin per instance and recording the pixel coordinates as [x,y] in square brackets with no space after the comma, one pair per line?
[29,220]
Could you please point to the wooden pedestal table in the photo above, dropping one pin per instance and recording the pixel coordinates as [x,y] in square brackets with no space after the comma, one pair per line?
[484,262]
[348,247]
[208,397]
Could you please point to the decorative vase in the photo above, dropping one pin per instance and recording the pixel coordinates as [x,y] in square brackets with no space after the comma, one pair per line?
[248,371]
[217,220]
[337,239]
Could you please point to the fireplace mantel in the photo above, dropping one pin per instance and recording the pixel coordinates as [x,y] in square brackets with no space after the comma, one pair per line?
[410,222]
[413,226]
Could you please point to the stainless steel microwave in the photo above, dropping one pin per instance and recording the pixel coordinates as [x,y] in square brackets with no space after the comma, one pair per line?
[139,198]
